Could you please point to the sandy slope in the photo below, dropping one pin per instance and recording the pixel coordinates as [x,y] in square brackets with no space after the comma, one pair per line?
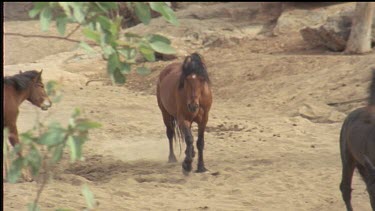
[271,142]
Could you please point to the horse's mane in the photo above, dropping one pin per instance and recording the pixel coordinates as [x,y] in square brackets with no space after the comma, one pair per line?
[372,89]
[21,80]
[193,64]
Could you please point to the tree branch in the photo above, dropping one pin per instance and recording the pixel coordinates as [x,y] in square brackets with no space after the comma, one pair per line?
[48,37]
[74,30]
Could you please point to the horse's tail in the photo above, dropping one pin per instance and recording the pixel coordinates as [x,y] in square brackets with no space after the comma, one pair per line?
[177,135]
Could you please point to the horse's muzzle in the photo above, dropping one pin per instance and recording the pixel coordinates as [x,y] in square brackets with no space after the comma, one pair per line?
[46,105]
[192,107]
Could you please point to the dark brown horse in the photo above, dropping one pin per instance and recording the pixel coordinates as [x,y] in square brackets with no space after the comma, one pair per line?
[26,85]
[357,147]
[184,96]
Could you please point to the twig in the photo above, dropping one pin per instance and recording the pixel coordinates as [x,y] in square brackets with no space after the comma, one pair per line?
[347,102]
[48,37]
[74,30]
[87,83]
[44,182]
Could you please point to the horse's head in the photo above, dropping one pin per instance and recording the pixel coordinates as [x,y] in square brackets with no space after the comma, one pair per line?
[38,95]
[193,80]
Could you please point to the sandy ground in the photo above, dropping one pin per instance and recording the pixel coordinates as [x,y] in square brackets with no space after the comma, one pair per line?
[271,142]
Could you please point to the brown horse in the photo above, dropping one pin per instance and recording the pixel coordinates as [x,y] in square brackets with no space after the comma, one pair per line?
[26,85]
[184,96]
[357,147]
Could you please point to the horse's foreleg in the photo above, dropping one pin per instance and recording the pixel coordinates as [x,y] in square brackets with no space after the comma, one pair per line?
[200,145]
[185,128]
[346,182]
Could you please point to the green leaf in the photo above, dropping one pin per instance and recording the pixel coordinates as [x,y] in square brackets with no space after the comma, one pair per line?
[33,207]
[118,77]
[157,6]
[86,125]
[75,148]
[27,137]
[108,50]
[35,160]
[159,38]
[45,18]
[169,15]
[57,153]
[38,6]
[91,34]
[66,8]
[128,53]
[147,52]
[61,24]
[53,136]
[86,46]
[77,11]
[113,63]
[89,197]
[132,35]
[76,112]
[143,70]
[109,5]
[125,68]
[15,170]
[143,12]
[162,47]
[165,11]
[51,87]
[105,23]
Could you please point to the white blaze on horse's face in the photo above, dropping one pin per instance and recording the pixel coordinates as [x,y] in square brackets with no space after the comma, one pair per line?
[194,86]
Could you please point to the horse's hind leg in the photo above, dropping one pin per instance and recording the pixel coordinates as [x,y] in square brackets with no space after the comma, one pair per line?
[348,166]
[168,122]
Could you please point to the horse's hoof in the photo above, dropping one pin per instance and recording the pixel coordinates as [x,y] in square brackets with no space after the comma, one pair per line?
[172,160]
[186,173]
[186,167]
[202,170]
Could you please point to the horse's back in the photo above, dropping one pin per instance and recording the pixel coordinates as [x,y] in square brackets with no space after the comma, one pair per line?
[358,135]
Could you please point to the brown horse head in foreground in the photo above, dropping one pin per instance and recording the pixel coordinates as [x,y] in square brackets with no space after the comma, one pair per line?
[26,85]
[184,96]
[357,147]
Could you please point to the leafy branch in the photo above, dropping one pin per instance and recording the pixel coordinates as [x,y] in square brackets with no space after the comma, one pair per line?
[101,23]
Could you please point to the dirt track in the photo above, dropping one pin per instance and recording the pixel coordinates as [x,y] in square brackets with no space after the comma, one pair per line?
[272,140]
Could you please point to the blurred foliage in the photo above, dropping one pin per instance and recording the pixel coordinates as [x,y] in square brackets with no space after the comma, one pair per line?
[101,23]
[43,146]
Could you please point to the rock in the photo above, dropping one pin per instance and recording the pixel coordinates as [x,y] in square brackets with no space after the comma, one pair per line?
[295,20]
[320,113]
[334,33]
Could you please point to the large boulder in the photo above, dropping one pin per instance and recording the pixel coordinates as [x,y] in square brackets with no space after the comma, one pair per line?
[334,33]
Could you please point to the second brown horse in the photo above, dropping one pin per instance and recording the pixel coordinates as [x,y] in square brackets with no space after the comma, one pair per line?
[184,96]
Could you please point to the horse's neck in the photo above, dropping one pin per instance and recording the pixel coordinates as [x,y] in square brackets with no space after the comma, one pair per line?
[18,96]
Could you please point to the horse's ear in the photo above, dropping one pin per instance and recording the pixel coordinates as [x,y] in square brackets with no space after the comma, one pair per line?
[186,62]
[39,77]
